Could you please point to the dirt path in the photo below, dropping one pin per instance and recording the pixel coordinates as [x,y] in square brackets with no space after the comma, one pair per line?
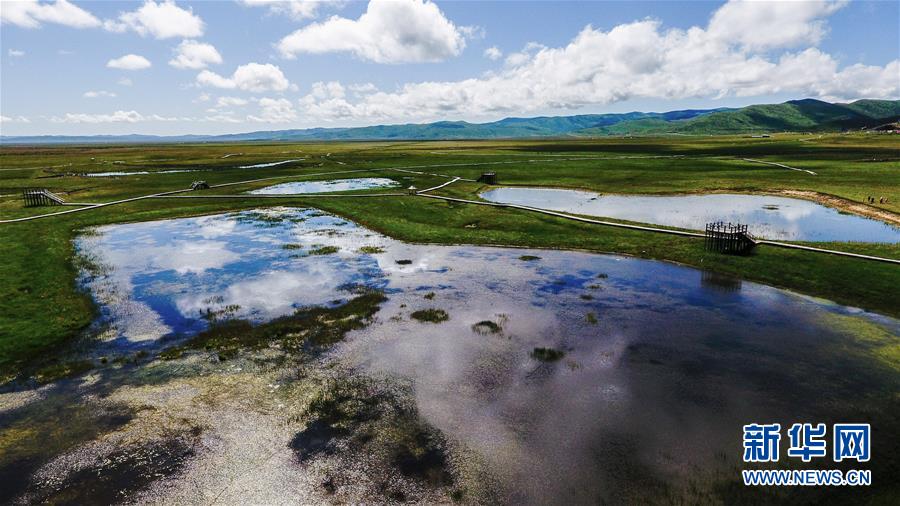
[844,205]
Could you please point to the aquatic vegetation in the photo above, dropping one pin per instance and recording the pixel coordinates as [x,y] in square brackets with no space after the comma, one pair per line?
[371,250]
[403,262]
[870,338]
[591,318]
[324,250]
[35,436]
[547,354]
[119,474]
[291,246]
[61,370]
[430,315]
[529,258]
[586,296]
[362,416]
[429,296]
[316,326]
[486,327]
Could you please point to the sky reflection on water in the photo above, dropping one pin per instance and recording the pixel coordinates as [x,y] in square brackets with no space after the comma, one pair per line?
[653,388]
[769,217]
[336,185]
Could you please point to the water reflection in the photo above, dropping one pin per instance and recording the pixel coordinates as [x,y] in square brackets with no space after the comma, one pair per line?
[336,185]
[661,365]
[166,277]
[777,218]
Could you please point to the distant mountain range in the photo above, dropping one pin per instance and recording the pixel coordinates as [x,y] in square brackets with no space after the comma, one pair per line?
[796,115]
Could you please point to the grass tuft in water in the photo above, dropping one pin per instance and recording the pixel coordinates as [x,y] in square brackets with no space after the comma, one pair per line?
[315,326]
[485,327]
[529,258]
[371,250]
[61,370]
[547,354]
[430,315]
[324,250]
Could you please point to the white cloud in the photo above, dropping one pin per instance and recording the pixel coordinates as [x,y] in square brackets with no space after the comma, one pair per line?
[31,13]
[195,55]
[161,20]
[255,77]
[767,24]
[14,119]
[98,94]
[230,102]
[225,117]
[275,110]
[15,53]
[493,53]
[129,62]
[115,117]
[125,81]
[630,61]
[390,31]
[296,9]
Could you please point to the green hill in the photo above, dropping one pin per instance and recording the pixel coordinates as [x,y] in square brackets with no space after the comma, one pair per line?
[795,115]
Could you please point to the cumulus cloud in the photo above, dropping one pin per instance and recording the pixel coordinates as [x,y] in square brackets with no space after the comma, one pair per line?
[254,77]
[493,53]
[274,110]
[296,9]
[16,53]
[129,62]
[641,59]
[191,54]
[32,13]
[766,24]
[124,82]
[115,117]
[161,20]
[390,31]
[98,94]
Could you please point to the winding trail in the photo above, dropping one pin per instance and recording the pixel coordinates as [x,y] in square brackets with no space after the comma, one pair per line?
[783,166]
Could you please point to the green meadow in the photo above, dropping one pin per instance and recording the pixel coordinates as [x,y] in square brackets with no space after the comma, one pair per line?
[43,312]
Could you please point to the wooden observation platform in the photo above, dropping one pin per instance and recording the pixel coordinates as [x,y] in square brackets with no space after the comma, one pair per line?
[35,197]
[729,238]
[488,178]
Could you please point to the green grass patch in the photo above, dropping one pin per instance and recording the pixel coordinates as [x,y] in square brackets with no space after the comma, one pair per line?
[547,354]
[486,327]
[430,315]
[324,250]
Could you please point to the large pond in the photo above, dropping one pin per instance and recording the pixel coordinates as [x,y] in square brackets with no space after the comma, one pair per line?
[769,217]
[333,185]
[555,377]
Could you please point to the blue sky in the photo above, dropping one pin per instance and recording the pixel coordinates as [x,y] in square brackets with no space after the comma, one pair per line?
[166,67]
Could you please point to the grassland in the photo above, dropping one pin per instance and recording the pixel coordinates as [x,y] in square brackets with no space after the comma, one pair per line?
[42,309]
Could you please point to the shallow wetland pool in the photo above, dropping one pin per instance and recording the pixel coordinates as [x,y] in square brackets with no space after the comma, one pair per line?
[289,356]
[768,217]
